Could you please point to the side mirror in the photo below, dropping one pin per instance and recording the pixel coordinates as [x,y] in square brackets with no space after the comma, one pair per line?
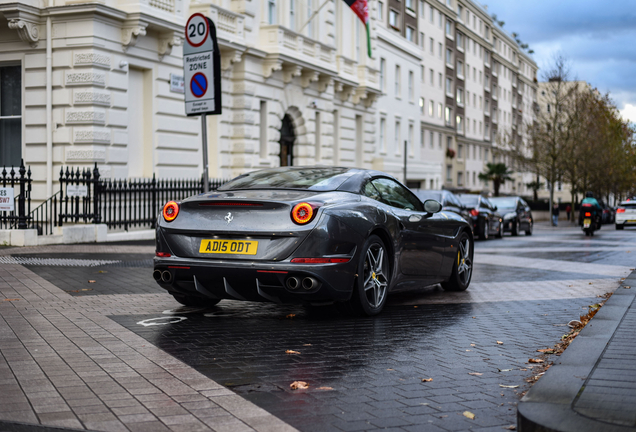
[432,206]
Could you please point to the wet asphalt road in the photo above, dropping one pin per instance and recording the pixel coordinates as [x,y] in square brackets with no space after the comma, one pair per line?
[366,373]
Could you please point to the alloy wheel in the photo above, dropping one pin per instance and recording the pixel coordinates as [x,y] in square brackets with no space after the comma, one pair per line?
[375,275]
[464,262]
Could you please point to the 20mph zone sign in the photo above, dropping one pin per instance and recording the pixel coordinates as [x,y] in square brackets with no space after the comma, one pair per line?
[201,67]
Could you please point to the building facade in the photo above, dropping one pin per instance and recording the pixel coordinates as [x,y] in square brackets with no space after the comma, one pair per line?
[85,83]
[477,91]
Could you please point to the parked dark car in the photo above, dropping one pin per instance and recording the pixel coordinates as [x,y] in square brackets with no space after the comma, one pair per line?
[485,219]
[516,214]
[311,235]
[609,214]
[450,201]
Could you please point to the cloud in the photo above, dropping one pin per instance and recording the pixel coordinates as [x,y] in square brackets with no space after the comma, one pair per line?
[597,38]
[629,113]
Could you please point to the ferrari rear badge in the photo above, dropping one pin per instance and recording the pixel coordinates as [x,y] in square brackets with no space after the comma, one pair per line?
[229,217]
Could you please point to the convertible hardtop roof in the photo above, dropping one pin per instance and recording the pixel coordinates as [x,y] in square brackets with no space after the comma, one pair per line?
[314,178]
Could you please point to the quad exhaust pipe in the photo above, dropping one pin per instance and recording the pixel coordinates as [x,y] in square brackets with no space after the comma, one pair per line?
[157,275]
[293,283]
[307,283]
[166,276]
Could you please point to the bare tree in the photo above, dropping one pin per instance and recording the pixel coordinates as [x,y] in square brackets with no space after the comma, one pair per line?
[549,135]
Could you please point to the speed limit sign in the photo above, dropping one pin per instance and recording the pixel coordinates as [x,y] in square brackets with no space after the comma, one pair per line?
[197,30]
[201,67]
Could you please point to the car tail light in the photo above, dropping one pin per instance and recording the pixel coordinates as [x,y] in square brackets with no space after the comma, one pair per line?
[474,212]
[170,211]
[320,260]
[303,213]
[588,214]
[620,210]
[163,254]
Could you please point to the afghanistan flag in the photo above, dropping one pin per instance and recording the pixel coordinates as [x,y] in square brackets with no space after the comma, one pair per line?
[361,8]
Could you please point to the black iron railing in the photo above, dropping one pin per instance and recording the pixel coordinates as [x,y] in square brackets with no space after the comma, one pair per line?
[17,184]
[120,204]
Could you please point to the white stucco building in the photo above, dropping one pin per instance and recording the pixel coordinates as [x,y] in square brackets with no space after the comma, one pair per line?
[85,83]
[93,81]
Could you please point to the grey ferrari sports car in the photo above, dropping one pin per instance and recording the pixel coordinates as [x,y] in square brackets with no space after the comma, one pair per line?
[313,235]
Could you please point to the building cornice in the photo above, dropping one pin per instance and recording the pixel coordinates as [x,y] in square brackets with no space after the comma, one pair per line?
[414,51]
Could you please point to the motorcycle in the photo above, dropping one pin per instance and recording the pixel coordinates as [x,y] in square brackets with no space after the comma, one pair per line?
[589,219]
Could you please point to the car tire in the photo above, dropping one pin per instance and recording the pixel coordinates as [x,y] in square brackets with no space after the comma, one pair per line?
[619,227]
[462,266]
[195,301]
[371,287]
[514,230]
[500,231]
[529,230]
[484,231]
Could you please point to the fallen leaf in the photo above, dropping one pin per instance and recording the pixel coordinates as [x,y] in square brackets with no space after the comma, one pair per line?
[11,300]
[427,379]
[469,415]
[504,370]
[290,316]
[547,351]
[468,350]
[626,287]
[299,385]
[511,427]
[474,317]
[391,369]
[292,352]
[535,360]
[92,281]
[475,373]
[472,345]
[499,343]
[505,386]
[102,271]
[306,344]
[414,307]
[324,388]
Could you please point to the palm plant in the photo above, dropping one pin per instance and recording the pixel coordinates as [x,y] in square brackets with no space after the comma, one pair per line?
[498,173]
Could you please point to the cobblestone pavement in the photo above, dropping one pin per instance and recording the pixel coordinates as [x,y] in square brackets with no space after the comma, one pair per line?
[118,354]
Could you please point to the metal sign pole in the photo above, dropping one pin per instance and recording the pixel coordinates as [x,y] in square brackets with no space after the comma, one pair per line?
[406,147]
[204,135]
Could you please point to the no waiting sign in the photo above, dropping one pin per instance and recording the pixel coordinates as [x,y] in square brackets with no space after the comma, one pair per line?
[201,67]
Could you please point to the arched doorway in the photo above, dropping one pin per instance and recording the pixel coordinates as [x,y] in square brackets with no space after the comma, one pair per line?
[287,139]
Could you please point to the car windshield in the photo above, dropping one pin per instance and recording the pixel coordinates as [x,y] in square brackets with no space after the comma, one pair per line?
[315,179]
[504,203]
[469,200]
[426,195]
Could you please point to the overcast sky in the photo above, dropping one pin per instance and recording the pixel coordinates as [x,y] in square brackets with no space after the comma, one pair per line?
[598,37]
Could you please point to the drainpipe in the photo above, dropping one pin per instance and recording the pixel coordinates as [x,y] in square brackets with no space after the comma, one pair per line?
[49,110]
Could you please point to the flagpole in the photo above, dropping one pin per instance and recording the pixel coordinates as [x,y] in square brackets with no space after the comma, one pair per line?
[313,15]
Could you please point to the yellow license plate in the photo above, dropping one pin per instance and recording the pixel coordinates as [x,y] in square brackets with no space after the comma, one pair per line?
[235,247]
[587,223]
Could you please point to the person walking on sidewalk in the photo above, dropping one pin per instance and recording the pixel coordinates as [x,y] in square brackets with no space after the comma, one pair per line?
[568,210]
[555,214]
